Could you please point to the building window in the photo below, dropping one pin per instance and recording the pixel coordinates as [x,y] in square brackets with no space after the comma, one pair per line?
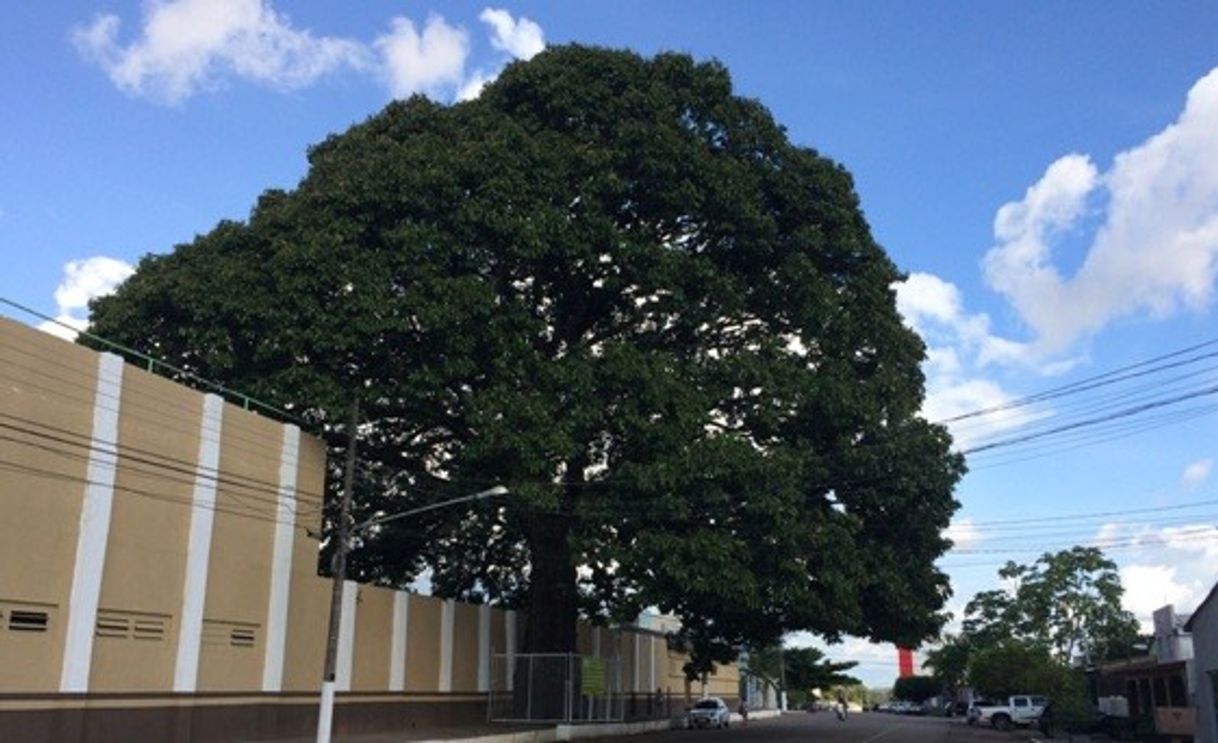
[1176,692]
[1160,692]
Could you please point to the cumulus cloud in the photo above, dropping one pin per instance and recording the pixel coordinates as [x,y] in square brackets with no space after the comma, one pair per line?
[518,38]
[426,62]
[1150,586]
[1196,473]
[472,87]
[1155,250]
[83,280]
[1162,565]
[960,346]
[188,45]
[521,38]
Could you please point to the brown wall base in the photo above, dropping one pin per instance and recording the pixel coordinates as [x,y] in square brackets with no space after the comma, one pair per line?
[219,721]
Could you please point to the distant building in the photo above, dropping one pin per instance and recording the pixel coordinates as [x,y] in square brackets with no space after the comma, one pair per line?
[1156,689]
[1203,626]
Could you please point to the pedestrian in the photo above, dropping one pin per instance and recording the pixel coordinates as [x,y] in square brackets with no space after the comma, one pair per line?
[744,712]
[841,707]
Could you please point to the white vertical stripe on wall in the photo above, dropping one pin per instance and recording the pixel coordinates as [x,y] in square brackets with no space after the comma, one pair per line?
[346,636]
[397,643]
[94,527]
[281,561]
[651,651]
[448,620]
[638,662]
[198,545]
[484,647]
[509,642]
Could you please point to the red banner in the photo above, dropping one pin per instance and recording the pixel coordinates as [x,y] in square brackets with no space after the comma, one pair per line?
[905,661]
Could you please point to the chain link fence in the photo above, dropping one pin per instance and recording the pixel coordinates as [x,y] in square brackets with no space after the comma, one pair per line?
[561,687]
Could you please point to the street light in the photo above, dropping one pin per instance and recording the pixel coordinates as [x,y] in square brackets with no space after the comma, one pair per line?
[325,714]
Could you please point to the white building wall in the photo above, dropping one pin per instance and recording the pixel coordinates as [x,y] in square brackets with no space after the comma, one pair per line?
[1205,670]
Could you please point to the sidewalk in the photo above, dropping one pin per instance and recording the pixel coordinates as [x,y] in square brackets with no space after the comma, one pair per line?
[508,733]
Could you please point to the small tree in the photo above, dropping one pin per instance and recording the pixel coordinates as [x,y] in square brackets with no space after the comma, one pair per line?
[1069,602]
[1017,667]
[949,662]
[916,689]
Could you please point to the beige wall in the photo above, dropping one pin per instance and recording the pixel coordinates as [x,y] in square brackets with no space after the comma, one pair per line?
[46,387]
[423,644]
[465,647]
[309,596]
[373,636]
[141,591]
[47,390]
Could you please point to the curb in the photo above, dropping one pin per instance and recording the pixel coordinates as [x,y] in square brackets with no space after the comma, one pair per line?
[577,732]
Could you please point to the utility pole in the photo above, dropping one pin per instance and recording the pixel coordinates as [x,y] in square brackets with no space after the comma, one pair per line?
[782,677]
[325,714]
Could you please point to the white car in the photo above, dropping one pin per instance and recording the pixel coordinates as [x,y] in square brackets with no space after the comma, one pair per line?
[710,712]
[1022,709]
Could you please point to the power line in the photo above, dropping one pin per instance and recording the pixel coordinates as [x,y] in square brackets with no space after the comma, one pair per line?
[154,362]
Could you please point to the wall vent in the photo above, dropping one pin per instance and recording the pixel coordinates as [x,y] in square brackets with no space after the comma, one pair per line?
[221,633]
[131,625]
[25,620]
[20,616]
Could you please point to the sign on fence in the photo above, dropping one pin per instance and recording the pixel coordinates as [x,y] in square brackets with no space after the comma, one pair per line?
[593,682]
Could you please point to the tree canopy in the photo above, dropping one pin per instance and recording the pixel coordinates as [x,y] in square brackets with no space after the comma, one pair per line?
[617,288]
[1068,602]
[800,669]
[916,689]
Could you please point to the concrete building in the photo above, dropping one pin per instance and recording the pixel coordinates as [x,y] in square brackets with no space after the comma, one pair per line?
[158,580]
[1155,690]
[1203,625]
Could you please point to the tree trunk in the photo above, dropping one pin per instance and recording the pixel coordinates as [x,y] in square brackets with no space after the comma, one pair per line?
[553,605]
[547,686]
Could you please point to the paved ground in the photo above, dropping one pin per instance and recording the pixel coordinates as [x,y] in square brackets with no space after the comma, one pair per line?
[824,726]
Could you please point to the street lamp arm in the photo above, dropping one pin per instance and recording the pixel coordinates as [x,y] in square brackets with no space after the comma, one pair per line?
[384,519]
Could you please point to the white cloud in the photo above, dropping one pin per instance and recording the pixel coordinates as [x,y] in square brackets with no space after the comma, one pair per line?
[1155,250]
[1196,473]
[1161,565]
[1151,586]
[964,534]
[83,280]
[427,62]
[188,45]
[472,88]
[523,39]
[960,346]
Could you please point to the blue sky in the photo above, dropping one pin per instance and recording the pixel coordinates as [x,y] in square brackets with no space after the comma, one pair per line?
[1046,172]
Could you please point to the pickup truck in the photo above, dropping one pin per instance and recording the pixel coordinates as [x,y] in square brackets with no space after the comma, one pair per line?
[1022,709]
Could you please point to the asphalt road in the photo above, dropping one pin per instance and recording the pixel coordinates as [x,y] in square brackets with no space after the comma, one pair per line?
[824,726]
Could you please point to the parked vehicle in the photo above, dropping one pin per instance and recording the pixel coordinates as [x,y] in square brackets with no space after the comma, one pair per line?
[1051,724]
[1022,709]
[710,712]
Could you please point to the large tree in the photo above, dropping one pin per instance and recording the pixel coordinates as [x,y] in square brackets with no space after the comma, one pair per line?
[617,288]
